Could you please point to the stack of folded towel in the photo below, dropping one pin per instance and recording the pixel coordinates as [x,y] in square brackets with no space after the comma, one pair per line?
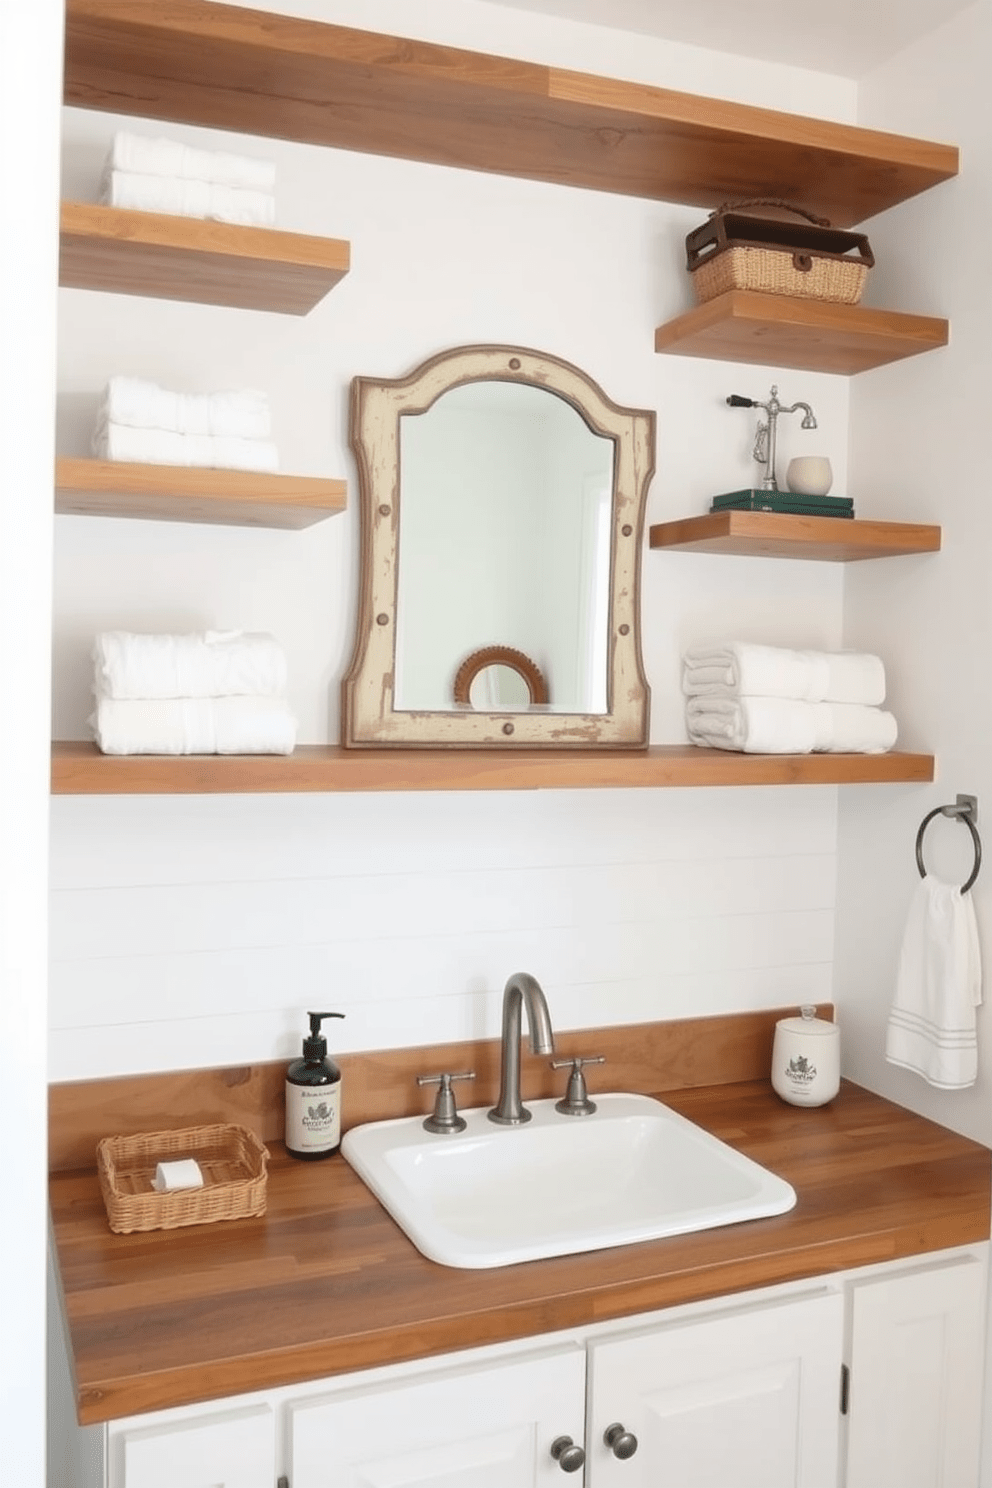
[770,700]
[162,175]
[219,692]
[137,420]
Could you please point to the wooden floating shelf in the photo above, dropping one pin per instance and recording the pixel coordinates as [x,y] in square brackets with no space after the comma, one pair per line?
[225,67]
[752,534]
[809,335]
[180,493]
[186,258]
[80,769]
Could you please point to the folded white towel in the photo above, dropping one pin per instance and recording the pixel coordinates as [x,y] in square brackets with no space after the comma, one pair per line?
[938,986]
[769,725]
[743,669]
[164,447]
[143,155]
[242,413]
[225,725]
[214,663]
[188,198]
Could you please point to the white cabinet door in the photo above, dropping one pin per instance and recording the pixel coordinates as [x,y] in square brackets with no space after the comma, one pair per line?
[229,1449]
[480,1427]
[917,1349]
[746,1399]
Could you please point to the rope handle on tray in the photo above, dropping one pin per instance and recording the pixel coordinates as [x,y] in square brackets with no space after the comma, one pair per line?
[763,202]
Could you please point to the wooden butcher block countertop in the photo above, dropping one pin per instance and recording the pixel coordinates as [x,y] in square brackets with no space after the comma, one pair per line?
[326,1282]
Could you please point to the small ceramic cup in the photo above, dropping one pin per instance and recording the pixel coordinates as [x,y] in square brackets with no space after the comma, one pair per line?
[806,1059]
[809,475]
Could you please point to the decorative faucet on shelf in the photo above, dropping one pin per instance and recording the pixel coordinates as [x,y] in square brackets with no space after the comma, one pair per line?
[521,990]
[765,438]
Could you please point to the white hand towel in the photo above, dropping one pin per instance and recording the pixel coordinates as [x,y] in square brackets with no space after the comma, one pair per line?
[242,413]
[226,725]
[938,986]
[743,669]
[769,725]
[180,197]
[143,155]
[214,663]
[164,447]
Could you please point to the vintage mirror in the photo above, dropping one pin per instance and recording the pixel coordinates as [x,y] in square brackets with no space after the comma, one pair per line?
[502,505]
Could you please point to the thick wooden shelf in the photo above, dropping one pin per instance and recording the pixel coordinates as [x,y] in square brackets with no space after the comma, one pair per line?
[783,535]
[180,493]
[187,258]
[226,67]
[810,335]
[80,769]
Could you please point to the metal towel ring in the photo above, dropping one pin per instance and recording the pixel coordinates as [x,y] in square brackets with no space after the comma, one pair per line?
[966,810]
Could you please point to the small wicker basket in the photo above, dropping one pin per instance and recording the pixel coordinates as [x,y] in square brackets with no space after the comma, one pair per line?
[735,249]
[231,1158]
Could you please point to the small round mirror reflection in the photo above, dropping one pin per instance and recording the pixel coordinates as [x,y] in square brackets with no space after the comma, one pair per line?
[499,677]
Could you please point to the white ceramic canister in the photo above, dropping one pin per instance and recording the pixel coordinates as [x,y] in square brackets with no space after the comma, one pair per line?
[806,1059]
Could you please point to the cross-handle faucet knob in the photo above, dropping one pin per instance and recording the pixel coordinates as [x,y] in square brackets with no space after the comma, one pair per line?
[445,1118]
[576,1100]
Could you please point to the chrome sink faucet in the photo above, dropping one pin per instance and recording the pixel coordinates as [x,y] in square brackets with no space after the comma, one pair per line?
[521,989]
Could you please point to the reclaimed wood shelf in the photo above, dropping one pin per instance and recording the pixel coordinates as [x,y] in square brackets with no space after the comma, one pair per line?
[80,769]
[187,258]
[751,534]
[226,67]
[809,335]
[180,493]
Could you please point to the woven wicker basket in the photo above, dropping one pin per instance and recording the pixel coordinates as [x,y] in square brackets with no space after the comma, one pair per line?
[808,260]
[231,1158]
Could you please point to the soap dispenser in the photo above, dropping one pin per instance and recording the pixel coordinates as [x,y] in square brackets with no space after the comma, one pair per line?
[313,1098]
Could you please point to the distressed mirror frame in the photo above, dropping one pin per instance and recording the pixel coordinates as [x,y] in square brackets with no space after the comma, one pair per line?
[368,714]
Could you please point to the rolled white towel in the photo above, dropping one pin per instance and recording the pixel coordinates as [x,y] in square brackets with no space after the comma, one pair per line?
[764,725]
[214,663]
[744,669]
[242,413]
[143,155]
[164,447]
[188,198]
[225,725]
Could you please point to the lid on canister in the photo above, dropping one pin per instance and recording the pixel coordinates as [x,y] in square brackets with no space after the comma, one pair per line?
[809,1023]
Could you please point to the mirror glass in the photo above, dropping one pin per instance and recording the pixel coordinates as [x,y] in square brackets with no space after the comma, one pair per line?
[502,500]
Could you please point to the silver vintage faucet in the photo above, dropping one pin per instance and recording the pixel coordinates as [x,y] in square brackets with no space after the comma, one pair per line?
[521,988]
[765,439]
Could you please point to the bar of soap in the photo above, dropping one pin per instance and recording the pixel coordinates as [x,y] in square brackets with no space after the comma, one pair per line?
[183,1174]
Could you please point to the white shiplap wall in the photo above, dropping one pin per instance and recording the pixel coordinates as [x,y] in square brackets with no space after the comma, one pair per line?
[192,932]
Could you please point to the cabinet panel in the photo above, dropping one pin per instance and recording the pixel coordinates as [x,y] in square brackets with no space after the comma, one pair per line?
[488,1427]
[232,1449]
[748,1398]
[916,1379]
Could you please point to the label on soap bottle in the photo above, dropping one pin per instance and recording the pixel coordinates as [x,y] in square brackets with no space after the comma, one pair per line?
[313,1117]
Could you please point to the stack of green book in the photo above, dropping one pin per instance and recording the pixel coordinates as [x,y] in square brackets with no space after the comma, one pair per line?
[784,501]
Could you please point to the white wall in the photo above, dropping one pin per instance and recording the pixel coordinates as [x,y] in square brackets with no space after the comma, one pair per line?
[188,932]
[30,71]
[919,452]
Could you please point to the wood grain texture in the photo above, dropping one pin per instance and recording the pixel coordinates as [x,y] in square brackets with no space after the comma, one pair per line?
[325,1282]
[185,258]
[238,69]
[179,493]
[751,534]
[80,769]
[814,336]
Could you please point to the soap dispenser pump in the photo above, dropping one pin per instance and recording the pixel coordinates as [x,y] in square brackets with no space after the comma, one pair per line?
[313,1098]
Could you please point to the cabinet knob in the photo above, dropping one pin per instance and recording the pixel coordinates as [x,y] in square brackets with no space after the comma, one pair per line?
[568,1456]
[622,1443]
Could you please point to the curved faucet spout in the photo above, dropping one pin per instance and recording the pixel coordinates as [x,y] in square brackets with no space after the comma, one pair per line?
[522,990]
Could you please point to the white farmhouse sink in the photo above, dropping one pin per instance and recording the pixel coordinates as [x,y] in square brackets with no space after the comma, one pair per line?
[494,1195]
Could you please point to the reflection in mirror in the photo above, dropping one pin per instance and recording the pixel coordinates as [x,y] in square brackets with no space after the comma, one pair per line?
[499,677]
[502,499]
